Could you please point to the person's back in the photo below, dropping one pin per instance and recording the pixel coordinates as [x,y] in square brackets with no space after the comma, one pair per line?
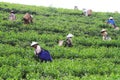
[27,18]
[111,21]
[44,55]
[89,12]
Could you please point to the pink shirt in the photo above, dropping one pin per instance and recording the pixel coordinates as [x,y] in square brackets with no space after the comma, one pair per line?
[12,16]
[37,50]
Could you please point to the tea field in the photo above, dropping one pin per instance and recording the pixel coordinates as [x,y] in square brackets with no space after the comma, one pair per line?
[90,58]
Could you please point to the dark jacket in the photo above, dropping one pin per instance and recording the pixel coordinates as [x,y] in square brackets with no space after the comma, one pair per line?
[44,55]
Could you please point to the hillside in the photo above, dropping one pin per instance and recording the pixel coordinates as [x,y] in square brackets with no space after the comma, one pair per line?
[89,59]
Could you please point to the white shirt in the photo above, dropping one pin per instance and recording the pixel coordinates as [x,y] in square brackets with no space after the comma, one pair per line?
[85,12]
[37,50]
[105,36]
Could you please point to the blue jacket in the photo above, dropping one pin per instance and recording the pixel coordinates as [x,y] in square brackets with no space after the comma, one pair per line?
[44,55]
[111,21]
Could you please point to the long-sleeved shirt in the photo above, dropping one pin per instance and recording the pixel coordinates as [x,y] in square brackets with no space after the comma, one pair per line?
[12,16]
[85,12]
[105,36]
[37,50]
[111,21]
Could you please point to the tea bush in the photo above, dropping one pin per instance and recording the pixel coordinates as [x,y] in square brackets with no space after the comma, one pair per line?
[90,58]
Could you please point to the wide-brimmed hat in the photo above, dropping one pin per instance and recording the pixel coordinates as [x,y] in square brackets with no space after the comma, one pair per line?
[34,43]
[110,17]
[31,16]
[70,35]
[103,30]
[12,11]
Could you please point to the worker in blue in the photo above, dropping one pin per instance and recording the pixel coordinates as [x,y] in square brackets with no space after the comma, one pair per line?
[112,22]
[42,54]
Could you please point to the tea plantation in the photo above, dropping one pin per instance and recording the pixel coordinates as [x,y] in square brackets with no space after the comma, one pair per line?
[90,58]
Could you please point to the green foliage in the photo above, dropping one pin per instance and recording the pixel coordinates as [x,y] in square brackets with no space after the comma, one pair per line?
[90,58]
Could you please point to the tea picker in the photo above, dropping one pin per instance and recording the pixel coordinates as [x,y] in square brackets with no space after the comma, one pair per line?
[69,40]
[105,35]
[41,53]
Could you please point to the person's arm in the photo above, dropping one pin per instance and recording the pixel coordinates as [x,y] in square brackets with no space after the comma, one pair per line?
[38,50]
